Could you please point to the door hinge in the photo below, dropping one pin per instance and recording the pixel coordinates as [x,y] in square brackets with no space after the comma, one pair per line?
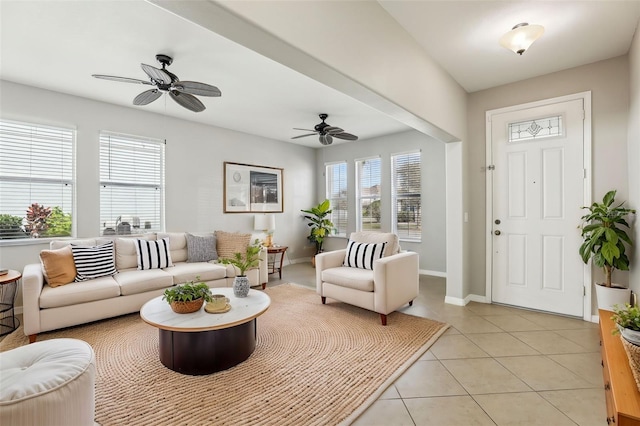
[491,167]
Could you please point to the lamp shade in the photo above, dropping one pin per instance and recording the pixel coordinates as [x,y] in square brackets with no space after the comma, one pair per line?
[521,37]
[264,222]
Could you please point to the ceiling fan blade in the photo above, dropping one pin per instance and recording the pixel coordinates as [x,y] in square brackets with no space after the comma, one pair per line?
[330,130]
[156,74]
[306,130]
[147,97]
[196,88]
[326,139]
[304,136]
[122,79]
[345,136]
[188,101]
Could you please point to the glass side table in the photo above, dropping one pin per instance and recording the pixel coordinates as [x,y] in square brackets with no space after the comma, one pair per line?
[8,290]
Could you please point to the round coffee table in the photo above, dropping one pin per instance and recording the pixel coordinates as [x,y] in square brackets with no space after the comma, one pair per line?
[202,343]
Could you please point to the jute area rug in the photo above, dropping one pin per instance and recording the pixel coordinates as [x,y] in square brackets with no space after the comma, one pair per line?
[314,364]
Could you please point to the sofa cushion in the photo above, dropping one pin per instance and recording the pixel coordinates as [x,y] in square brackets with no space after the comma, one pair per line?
[201,248]
[153,254]
[75,293]
[178,244]
[93,261]
[356,278]
[183,272]
[393,246]
[134,281]
[56,244]
[59,268]
[230,243]
[362,255]
[126,253]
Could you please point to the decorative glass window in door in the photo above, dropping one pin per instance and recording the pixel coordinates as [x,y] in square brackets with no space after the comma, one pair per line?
[536,129]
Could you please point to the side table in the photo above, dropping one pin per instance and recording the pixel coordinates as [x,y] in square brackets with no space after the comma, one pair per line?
[281,250]
[8,289]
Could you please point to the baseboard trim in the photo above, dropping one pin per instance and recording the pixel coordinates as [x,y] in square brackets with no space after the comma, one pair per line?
[595,318]
[464,302]
[432,273]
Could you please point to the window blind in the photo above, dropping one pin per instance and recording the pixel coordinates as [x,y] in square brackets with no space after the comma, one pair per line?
[368,194]
[131,184]
[336,186]
[406,174]
[36,167]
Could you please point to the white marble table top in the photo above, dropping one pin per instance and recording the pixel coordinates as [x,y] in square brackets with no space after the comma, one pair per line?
[158,313]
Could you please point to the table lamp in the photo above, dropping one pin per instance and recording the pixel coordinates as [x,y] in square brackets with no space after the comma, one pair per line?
[267,224]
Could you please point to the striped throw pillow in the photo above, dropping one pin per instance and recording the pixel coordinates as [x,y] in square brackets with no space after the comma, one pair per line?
[362,255]
[93,261]
[153,254]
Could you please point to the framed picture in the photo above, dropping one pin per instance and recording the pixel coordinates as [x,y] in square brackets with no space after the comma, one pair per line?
[249,189]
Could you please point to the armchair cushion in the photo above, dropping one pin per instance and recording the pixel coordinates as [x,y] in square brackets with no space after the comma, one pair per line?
[356,278]
[362,255]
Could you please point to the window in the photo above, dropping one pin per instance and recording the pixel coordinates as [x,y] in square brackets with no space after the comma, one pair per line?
[406,196]
[36,180]
[337,195]
[131,184]
[368,194]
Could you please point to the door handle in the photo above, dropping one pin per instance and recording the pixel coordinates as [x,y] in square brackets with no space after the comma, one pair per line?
[497,232]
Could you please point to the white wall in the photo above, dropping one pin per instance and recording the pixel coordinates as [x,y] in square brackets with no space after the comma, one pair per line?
[432,248]
[633,144]
[609,83]
[194,167]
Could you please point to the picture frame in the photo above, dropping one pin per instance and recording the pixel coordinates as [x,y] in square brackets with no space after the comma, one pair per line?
[250,189]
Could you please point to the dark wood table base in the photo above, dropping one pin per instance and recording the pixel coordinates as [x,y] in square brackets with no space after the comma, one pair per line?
[205,352]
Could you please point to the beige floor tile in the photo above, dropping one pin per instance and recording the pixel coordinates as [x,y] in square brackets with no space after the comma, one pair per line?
[548,342]
[456,346]
[451,330]
[542,373]
[491,309]
[521,409]
[484,375]
[588,338]
[586,366]
[513,323]
[557,322]
[473,324]
[390,393]
[501,344]
[447,411]
[390,412]
[428,355]
[428,378]
[586,407]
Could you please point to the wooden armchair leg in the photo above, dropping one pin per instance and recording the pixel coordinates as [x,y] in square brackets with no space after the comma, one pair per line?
[411,303]
[324,300]
[383,319]
[32,338]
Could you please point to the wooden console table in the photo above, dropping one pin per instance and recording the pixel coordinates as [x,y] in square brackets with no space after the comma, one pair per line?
[621,391]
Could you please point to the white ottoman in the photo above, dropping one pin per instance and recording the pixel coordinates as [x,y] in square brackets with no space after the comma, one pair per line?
[51,382]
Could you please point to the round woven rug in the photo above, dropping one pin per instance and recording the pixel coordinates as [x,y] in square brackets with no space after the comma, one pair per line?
[314,364]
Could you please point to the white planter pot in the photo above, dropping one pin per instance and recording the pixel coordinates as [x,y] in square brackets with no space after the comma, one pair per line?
[609,296]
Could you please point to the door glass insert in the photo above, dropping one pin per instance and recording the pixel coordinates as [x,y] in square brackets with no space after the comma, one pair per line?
[535,129]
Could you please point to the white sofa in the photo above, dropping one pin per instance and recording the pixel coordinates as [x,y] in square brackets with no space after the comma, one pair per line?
[392,283]
[47,308]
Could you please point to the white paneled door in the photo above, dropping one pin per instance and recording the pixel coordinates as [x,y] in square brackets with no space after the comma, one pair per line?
[538,189]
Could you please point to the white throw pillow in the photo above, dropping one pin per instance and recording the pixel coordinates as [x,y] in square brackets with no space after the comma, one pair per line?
[362,255]
[93,261]
[153,254]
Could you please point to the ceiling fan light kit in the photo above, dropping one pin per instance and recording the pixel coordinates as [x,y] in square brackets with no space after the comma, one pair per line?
[182,92]
[521,37]
[326,132]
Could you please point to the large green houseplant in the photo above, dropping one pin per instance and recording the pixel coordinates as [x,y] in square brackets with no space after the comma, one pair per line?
[605,239]
[320,224]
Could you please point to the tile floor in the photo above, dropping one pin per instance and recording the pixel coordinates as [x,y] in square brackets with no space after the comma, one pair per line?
[496,365]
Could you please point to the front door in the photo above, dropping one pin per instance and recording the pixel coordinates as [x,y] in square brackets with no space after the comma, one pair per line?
[537,190]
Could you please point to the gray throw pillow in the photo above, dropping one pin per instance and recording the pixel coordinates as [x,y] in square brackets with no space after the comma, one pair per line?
[201,249]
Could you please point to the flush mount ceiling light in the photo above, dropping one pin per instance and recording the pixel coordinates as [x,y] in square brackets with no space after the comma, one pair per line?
[521,37]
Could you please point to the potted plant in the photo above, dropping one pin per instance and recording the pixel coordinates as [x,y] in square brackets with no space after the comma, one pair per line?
[605,241]
[250,259]
[627,319]
[321,226]
[188,297]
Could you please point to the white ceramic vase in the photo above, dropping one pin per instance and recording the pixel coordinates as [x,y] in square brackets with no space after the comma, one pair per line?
[609,296]
[241,286]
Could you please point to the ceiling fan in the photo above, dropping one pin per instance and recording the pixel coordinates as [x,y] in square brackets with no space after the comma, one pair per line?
[164,81]
[326,132]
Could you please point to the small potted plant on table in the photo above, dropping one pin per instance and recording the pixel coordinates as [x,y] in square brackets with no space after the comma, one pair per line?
[188,297]
[250,259]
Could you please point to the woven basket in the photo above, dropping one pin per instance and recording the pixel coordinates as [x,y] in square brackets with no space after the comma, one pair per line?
[187,307]
[633,353]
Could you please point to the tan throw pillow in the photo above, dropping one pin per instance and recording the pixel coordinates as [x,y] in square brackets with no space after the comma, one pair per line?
[59,266]
[229,243]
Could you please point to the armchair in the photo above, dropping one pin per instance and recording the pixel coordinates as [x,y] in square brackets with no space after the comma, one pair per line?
[392,283]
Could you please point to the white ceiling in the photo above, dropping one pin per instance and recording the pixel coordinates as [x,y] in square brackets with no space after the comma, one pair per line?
[57,45]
